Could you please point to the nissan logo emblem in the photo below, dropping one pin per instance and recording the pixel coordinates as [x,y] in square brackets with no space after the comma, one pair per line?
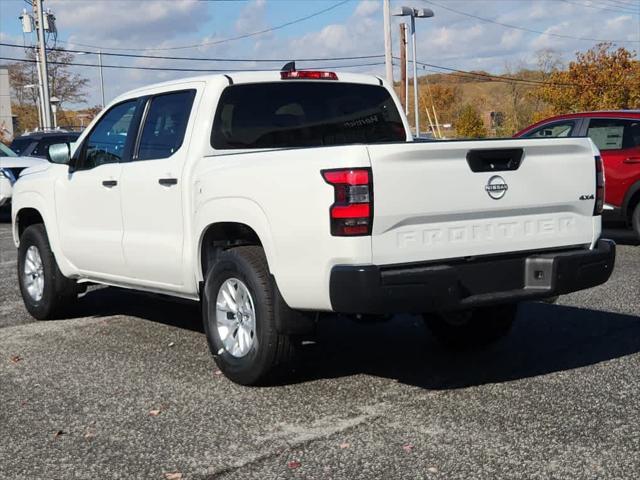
[496,187]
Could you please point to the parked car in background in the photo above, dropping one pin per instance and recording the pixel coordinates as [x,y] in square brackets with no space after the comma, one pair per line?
[617,135]
[11,165]
[37,144]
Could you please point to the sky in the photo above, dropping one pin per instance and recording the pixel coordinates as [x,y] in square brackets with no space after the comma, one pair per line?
[490,35]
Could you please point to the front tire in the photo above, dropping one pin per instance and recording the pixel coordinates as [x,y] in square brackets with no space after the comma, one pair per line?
[472,328]
[239,310]
[45,291]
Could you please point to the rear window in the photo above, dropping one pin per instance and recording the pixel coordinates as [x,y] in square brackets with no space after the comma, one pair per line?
[19,145]
[305,114]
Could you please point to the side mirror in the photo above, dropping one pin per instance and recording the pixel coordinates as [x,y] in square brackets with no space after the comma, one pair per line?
[59,153]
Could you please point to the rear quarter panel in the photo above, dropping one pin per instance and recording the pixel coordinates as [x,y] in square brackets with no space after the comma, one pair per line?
[283,197]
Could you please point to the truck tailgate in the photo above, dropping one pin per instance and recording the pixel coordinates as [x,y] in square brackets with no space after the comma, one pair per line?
[430,204]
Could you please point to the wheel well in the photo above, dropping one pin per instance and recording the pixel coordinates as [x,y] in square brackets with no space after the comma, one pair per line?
[27,217]
[631,205]
[222,236]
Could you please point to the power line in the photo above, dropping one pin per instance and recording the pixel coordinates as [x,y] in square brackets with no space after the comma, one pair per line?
[525,29]
[224,40]
[499,78]
[164,57]
[617,10]
[175,69]
[619,4]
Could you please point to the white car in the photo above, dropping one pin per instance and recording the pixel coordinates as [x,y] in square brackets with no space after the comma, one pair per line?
[273,196]
[11,165]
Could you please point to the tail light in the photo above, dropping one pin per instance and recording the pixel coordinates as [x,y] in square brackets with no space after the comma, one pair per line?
[599,205]
[352,211]
[307,75]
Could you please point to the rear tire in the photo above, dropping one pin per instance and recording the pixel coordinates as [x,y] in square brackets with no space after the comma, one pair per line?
[46,293]
[635,220]
[239,314]
[472,328]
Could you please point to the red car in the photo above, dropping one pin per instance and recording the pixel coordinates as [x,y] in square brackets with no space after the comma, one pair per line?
[617,135]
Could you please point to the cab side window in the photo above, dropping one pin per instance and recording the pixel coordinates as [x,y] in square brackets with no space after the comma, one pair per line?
[553,130]
[106,143]
[165,125]
[614,134]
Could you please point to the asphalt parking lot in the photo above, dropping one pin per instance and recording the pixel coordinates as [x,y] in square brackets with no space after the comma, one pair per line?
[127,389]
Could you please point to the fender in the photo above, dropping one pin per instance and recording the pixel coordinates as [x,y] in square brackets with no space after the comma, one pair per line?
[238,210]
[35,200]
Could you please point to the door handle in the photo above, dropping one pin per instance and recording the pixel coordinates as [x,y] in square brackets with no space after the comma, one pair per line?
[109,183]
[167,182]
[631,160]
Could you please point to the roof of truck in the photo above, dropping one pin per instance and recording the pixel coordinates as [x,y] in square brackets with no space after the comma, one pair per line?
[254,77]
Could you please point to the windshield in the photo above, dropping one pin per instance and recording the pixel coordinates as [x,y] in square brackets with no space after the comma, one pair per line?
[6,151]
[305,114]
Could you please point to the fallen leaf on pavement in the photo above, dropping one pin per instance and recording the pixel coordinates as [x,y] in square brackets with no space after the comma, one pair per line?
[344,445]
[294,464]
[407,447]
[173,476]
[15,358]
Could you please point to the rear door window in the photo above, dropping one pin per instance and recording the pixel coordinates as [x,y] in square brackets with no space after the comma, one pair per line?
[614,133]
[304,114]
[553,130]
[165,125]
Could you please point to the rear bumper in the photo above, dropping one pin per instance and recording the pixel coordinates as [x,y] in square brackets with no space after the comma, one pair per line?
[460,284]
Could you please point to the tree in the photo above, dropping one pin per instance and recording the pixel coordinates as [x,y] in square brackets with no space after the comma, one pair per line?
[600,78]
[68,86]
[441,96]
[469,123]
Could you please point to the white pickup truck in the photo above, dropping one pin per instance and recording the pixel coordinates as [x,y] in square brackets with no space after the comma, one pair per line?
[273,196]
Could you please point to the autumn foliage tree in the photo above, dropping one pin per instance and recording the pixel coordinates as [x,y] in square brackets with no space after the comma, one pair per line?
[600,78]
[64,83]
[469,123]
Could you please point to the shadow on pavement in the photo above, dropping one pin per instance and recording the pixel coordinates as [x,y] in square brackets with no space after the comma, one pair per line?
[545,339]
[109,301]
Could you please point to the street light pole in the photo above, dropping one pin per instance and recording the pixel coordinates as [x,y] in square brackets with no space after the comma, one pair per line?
[101,78]
[413,13]
[406,70]
[416,112]
[388,63]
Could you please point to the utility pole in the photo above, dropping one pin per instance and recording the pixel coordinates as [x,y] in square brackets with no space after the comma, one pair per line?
[101,79]
[403,66]
[388,61]
[42,57]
